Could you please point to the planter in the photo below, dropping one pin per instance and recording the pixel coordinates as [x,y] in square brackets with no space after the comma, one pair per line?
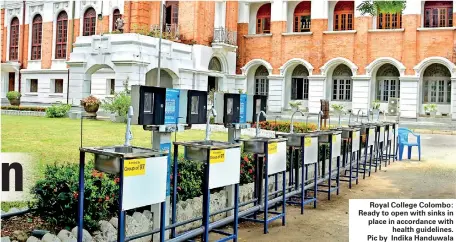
[91,111]
[15,101]
[433,114]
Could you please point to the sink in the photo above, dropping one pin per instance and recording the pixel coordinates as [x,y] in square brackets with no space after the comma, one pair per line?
[294,139]
[107,159]
[197,150]
[346,131]
[256,145]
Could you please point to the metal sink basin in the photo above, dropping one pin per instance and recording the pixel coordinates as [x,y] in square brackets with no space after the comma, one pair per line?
[346,131]
[198,150]
[107,159]
[294,139]
[256,145]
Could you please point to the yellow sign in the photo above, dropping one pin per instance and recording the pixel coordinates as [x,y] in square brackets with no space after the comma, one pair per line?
[217,156]
[136,167]
[371,132]
[307,141]
[354,135]
[382,130]
[272,148]
[334,138]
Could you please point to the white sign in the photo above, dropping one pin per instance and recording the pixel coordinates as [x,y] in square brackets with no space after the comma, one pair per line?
[355,141]
[144,182]
[336,139]
[225,167]
[310,150]
[402,220]
[382,134]
[371,136]
[277,157]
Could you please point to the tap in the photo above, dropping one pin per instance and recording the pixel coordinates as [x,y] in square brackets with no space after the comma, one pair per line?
[349,118]
[208,128]
[319,118]
[128,134]
[368,115]
[384,116]
[292,116]
[258,122]
[357,116]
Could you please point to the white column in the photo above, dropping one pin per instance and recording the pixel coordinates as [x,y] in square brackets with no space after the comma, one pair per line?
[244,12]
[275,93]
[279,10]
[316,92]
[75,92]
[409,102]
[220,14]
[361,91]
[453,98]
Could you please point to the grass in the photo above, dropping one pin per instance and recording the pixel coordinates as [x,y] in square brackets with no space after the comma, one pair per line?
[58,140]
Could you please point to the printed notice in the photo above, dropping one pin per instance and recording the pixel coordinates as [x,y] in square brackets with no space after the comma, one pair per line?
[272,148]
[136,167]
[217,156]
[402,220]
[307,141]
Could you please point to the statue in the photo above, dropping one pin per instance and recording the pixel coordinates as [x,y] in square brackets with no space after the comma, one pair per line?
[119,24]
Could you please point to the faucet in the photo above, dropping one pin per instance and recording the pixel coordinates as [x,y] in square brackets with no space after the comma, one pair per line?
[292,116]
[208,129]
[128,134]
[258,122]
[349,118]
[319,115]
[357,116]
[368,115]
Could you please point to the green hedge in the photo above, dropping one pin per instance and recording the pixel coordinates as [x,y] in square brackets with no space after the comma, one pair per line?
[21,108]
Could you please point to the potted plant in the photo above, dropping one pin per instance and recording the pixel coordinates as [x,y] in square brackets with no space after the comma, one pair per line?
[337,108]
[117,106]
[295,106]
[14,98]
[91,105]
[431,109]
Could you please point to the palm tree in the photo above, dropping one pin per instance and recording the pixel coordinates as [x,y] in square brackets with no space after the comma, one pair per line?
[374,7]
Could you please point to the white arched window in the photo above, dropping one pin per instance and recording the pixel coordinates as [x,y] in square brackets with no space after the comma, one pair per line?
[342,82]
[437,84]
[388,84]
[261,81]
[300,83]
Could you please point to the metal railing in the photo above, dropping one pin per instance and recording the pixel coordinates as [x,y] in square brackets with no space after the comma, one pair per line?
[222,35]
[170,31]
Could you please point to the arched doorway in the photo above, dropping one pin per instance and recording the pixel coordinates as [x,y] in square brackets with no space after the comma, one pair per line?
[212,81]
[436,88]
[299,84]
[166,78]
[103,83]
[387,85]
[261,81]
[341,84]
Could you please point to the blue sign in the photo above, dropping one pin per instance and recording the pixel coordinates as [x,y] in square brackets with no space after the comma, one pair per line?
[172,106]
[243,109]
[167,147]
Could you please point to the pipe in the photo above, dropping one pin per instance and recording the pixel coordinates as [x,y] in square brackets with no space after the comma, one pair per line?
[208,119]
[128,134]
[159,43]
[22,45]
[71,49]
[257,130]
[292,116]
[319,117]
[9,215]
[357,116]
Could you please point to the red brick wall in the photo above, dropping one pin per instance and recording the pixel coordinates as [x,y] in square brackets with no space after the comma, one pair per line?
[25,50]
[409,47]
[4,34]
[231,15]
[46,46]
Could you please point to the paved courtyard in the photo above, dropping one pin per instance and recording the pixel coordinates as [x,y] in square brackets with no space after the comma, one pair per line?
[432,177]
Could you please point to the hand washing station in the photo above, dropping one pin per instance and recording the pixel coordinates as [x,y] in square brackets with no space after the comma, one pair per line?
[270,160]
[351,147]
[221,168]
[142,176]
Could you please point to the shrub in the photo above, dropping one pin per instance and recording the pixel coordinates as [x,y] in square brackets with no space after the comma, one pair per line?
[57,195]
[118,104]
[284,126]
[13,95]
[57,110]
[190,179]
[21,108]
[247,168]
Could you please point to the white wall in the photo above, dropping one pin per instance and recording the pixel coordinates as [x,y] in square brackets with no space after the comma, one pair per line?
[45,93]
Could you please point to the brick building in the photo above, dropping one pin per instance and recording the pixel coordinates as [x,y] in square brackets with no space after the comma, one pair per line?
[289,50]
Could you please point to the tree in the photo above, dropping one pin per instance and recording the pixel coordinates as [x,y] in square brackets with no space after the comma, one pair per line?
[374,7]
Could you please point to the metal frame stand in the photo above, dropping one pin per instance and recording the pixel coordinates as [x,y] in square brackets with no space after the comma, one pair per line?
[206,206]
[353,169]
[297,182]
[372,151]
[261,161]
[121,214]
[329,186]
